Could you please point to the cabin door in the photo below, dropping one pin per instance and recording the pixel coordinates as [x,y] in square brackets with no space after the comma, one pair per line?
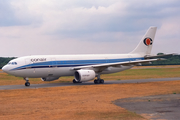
[52,67]
[29,65]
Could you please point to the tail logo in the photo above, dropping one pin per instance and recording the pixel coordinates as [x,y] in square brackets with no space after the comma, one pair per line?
[148,41]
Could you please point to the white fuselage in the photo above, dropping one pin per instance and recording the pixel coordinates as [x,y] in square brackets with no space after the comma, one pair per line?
[83,67]
[40,66]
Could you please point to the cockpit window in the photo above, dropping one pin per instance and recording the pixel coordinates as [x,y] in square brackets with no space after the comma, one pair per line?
[12,63]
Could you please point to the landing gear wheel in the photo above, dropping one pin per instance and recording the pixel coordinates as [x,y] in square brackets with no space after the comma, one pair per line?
[27,84]
[74,81]
[98,81]
[102,81]
[95,81]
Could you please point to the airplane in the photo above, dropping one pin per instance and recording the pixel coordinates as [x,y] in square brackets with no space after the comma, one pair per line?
[83,67]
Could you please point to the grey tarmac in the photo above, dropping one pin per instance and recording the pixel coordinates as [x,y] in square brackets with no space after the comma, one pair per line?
[161,107]
[35,86]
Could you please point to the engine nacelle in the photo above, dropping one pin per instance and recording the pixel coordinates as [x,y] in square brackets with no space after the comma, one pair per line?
[49,78]
[84,75]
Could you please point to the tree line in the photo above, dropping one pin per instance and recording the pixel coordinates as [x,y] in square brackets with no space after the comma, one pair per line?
[5,60]
[170,60]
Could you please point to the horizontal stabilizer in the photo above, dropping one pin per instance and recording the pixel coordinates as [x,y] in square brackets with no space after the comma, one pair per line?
[159,56]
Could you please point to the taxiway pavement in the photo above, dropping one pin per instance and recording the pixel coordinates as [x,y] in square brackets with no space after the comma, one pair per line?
[162,107]
[35,86]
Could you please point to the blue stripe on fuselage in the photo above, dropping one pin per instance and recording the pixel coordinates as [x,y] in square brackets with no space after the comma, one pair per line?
[73,63]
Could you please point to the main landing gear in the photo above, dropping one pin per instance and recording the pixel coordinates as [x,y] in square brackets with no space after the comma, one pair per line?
[27,83]
[98,80]
[74,81]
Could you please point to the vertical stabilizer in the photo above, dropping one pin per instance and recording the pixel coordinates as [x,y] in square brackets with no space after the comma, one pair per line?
[146,43]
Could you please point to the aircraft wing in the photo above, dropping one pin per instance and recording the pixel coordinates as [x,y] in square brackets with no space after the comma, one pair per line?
[117,64]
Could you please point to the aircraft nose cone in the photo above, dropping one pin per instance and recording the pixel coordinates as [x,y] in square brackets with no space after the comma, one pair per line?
[4,68]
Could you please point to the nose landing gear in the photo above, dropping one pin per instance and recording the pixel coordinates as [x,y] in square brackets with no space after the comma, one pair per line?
[27,83]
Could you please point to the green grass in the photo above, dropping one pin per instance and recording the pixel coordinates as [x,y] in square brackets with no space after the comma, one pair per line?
[144,74]
[6,79]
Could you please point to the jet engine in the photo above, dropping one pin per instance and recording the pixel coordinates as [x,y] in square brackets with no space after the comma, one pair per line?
[49,78]
[84,75]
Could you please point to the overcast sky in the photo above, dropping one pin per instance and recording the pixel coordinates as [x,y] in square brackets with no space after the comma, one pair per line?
[34,27]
